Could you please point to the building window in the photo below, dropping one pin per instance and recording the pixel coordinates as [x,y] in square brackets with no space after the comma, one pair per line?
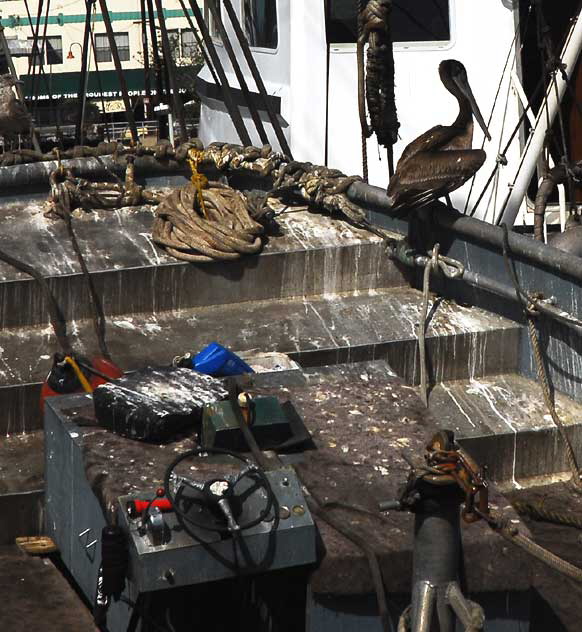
[189,46]
[174,38]
[260,20]
[50,54]
[411,21]
[103,50]
[35,57]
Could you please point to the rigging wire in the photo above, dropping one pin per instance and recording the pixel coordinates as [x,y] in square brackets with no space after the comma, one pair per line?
[567,80]
[511,49]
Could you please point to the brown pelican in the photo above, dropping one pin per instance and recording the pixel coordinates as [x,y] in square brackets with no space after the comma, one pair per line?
[14,118]
[440,160]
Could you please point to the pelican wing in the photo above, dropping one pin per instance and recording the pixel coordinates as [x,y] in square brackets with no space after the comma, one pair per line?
[429,176]
[433,139]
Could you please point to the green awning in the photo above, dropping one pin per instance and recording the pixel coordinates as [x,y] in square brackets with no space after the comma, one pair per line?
[65,85]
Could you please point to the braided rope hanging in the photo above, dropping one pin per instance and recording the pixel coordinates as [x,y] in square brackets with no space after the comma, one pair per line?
[377,88]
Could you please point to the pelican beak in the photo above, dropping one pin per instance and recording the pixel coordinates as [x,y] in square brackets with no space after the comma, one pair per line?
[465,88]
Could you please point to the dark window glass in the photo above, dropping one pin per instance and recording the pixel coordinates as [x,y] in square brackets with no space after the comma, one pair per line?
[210,19]
[35,56]
[411,21]
[260,19]
[122,42]
[54,50]
[103,51]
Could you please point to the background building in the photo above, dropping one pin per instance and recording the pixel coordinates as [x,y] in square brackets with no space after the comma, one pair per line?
[52,76]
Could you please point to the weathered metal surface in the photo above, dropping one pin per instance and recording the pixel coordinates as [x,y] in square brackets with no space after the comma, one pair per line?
[539,268]
[503,421]
[364,426]
[315,331]
[35,596]
[361,428]
[312,255]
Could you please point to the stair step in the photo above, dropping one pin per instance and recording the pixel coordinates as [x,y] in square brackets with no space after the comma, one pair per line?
[35,596]
[313,255]
[504,423]
[314,332]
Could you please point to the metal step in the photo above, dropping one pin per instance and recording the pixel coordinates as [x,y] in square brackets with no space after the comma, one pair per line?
[504,423]
[313,255]
[37,597]
[317,331]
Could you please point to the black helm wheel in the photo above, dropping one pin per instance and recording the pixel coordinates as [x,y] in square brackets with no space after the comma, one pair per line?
[185,518]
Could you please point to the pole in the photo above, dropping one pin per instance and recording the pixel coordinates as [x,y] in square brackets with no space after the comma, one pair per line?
[257,78]
[163,131]
[100,86]
[237,71]
[118,68]
[171,68]
[226,91]
[146,56]
[544,120]
[82,98]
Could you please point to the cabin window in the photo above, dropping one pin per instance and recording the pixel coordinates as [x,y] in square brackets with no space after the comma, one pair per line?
[103,51]
[412,21]
[212,28]
[260,20]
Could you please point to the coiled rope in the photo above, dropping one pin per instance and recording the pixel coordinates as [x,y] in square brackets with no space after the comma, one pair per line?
[220,228]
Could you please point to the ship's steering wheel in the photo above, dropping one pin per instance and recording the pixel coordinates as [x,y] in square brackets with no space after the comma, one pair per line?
[218,493]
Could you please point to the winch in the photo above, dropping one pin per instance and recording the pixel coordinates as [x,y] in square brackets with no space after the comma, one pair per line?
[215,516]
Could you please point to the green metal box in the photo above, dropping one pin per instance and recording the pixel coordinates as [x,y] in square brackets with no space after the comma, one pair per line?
[220,428]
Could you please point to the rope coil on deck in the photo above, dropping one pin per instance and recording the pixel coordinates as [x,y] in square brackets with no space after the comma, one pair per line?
[223,229]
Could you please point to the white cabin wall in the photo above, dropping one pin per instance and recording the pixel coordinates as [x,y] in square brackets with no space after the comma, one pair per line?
[481,36]
[307,103]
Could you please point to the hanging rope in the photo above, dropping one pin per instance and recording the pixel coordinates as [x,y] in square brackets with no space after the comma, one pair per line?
[431,266]
[378,87]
